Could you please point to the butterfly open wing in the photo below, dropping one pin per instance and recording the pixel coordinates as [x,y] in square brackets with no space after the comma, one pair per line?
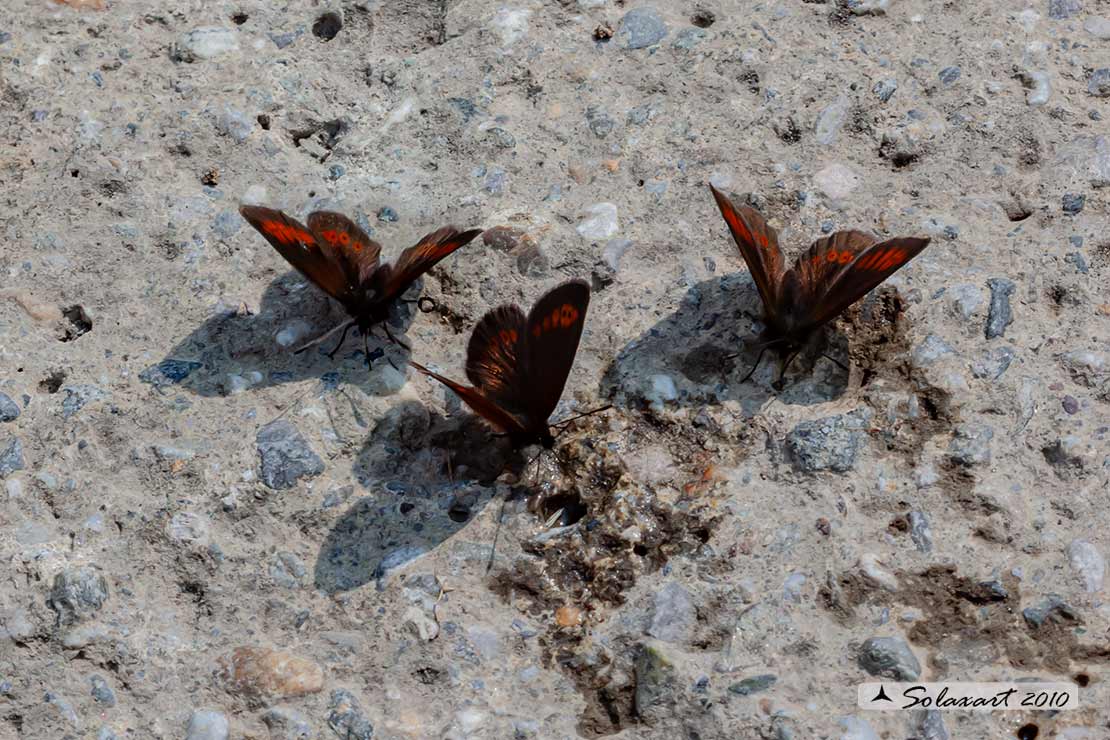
[300,248]
[476,400]
[554,330]
[418,259]
[759,246]
[347,244]
[826,293]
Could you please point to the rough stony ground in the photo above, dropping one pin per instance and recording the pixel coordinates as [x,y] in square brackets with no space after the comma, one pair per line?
[205,536]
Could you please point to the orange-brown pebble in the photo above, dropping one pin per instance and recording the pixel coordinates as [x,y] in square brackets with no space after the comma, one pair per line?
[256,672]
[568,616]
[611,164]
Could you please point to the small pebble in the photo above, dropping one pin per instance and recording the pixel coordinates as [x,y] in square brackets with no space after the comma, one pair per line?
[1000,315]
[285,456]
[345,717]
[207,724]
[387,215]
[830,443]
[262,673]
[1098,26]
[600,222]
[207,43]
[674,616]
[948,75]
[9,410]
[599,121]
[101,692]
[77,594]
[1052,609]
[11,457]
[1088,562]
[641,27]
[889,657]
[1073,203]
[971,444]
[884,89]
[920,532]
[831,119]
[753,685]
[1099,83]
[1063,9]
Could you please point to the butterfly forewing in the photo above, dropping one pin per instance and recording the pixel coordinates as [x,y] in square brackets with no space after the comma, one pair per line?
[296,243]
[348,245]
[418,259]
[496,362]
[759,246]
[869,268]
[554,329]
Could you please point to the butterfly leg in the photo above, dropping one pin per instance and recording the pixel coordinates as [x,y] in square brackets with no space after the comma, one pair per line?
[394,339]
[344,327]
[778,384]
[757,359]
[562,424]
[836,362]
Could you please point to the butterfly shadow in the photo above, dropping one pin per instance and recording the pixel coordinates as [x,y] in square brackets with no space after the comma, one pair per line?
[237,350]
[705,348]
[428,475]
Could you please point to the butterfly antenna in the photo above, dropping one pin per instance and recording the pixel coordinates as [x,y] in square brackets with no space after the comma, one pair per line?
[496,533]
[562,424]
[344,327]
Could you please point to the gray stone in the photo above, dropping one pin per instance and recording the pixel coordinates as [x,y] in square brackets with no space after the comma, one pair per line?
[971,444]
[287,724]
[920,532]
[234,123]
[966,299]
[613,252]
[387,215]
[831,119]
[948,75]
[282,40]
[753,685]
[1061,9]
[929,725]
[77,396]
[1088,562]
[599,121]
[993,363]
[9,410]
[206,43]
[641,114]
[496,181]
[1038,85]
[207,724]
[656,680]
[1072,203]
[500,138]
[889,657]
[101,692]
[826,444]
[77,594]
[11,457]
[1098,26]
[287,570]
[674,616]
[884,89]
[285,456]
[1000,315]
[641,27]
[869,7]
[1052,609]
[168,372]
[688,38]
[1099,84]
[345,717]
[930,350]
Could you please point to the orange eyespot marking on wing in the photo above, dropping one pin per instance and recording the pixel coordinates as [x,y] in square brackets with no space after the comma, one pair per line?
[832,256]
[344,238]
[568,314]
[547,323]
[845,257]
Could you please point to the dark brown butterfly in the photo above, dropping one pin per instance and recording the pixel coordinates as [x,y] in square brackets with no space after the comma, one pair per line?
[343,261]
[518,365]
[835,272]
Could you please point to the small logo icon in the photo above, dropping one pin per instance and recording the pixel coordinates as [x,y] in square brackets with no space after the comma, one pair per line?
[881,696]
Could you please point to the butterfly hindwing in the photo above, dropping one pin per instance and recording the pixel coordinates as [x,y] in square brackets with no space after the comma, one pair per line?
[496,360]
[347,243]
[296,243]
[868,269]
[759,246]
[476,400]
[418,259]
[554,330]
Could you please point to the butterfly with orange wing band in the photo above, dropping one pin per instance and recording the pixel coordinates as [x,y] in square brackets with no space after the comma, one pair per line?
[519,365]
[339,257]
[835,272]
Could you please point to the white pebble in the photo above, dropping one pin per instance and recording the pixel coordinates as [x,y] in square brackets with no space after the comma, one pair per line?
[836,181]
[1088,563]
[600,223]
[211,42]
[511,24]
[662,390]
[871,568]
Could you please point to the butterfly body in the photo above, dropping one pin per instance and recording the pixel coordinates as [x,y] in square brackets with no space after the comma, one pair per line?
[337,256]
[835,272]
[518,365]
